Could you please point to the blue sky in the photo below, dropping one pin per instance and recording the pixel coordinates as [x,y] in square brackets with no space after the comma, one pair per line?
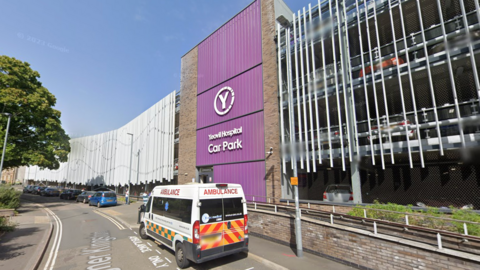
[108,61]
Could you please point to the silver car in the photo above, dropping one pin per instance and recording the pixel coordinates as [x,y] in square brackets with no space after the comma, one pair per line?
[338,193]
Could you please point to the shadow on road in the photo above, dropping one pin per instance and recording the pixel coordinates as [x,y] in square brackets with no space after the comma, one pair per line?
[9,249]
[210,264]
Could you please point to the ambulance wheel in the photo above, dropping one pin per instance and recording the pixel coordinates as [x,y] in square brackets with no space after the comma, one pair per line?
[180,256]
[143,231]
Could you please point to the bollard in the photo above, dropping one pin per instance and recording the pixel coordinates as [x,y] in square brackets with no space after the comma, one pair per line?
[331,218]
[365,213]
[439,240]
[308,205]
[333,208]
[406,219]
[255,206]
[288,202]
[268,200]
[374,227]
[253,198]
[275,208]
[465,229]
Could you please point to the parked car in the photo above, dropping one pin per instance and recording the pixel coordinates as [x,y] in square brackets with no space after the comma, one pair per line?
[395,122]
[25,189]
[338,193]
[85,196]
[31,188]
[103,189]
[103,198]
[70,194]
[385,64]
[456,42]
[37,190]
[50,192]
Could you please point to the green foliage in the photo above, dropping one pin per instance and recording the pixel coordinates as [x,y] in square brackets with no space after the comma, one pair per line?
[36,136]
[9,198]
[5,225]
[122,199]
[371,213]
[467,215]
[424,220]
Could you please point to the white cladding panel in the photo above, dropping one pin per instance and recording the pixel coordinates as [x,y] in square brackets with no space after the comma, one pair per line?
[105,158]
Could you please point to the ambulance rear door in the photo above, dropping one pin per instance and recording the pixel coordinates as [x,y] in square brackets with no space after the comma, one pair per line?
[211,220]
[221,218]
[234,218]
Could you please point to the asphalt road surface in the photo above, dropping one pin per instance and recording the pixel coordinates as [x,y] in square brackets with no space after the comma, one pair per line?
[83,238]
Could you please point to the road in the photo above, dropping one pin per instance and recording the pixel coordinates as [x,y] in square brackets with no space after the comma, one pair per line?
[84,238]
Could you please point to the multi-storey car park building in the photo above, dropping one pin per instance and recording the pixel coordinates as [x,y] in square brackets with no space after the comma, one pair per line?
[379,95]
[384,96]
[146,145]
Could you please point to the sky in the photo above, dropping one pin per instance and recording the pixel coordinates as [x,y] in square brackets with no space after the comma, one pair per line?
[107,61]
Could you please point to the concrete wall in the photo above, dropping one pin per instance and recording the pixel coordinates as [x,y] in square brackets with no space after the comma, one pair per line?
[358,248]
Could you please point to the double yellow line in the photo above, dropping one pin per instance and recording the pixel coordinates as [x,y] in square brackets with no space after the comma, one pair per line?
[118,224]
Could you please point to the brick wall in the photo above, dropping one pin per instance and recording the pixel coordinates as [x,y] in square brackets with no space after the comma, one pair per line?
[9,175]
[270,101]
[188,117]
[354,247]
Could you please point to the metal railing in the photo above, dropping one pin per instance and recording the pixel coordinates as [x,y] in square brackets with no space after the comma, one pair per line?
[332,215]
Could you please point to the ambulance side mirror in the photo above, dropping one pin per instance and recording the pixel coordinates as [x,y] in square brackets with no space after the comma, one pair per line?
[142,208]
[199,204]
[244,201]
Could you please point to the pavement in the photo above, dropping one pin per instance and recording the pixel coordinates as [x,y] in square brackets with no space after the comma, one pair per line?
[22,248]
[85,237]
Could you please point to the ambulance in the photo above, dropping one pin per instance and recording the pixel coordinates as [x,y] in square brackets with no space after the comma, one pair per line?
[200,222]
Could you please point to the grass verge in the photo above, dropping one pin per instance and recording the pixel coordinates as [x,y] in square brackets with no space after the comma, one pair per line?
[424,218]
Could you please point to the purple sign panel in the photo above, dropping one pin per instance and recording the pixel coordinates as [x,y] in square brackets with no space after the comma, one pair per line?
[237,140]
[236,97]
[250,175]
[232,49]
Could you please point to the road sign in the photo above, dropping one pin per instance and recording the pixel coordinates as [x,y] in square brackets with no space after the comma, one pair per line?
[294,181]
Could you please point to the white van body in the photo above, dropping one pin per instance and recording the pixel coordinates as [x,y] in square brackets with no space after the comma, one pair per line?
[208,220]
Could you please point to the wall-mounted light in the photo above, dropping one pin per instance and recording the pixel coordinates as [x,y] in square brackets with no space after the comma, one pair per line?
[271,151]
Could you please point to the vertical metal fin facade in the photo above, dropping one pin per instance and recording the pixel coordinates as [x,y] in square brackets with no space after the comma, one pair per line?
[105,158]
[371,79]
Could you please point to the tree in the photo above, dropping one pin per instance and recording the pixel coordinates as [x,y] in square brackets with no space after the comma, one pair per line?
[36,136]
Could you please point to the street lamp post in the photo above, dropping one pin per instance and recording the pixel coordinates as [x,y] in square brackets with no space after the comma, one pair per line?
[5,142]
[131,159]
[138,166]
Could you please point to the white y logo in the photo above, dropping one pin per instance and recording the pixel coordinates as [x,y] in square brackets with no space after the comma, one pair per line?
[223,100]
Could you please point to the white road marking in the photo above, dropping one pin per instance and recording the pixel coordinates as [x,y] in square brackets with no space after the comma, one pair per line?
[158,251]
[250,268]
[52,257]
[120,226]
[168,260]
[149,244]
[130,229]
[135,232]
